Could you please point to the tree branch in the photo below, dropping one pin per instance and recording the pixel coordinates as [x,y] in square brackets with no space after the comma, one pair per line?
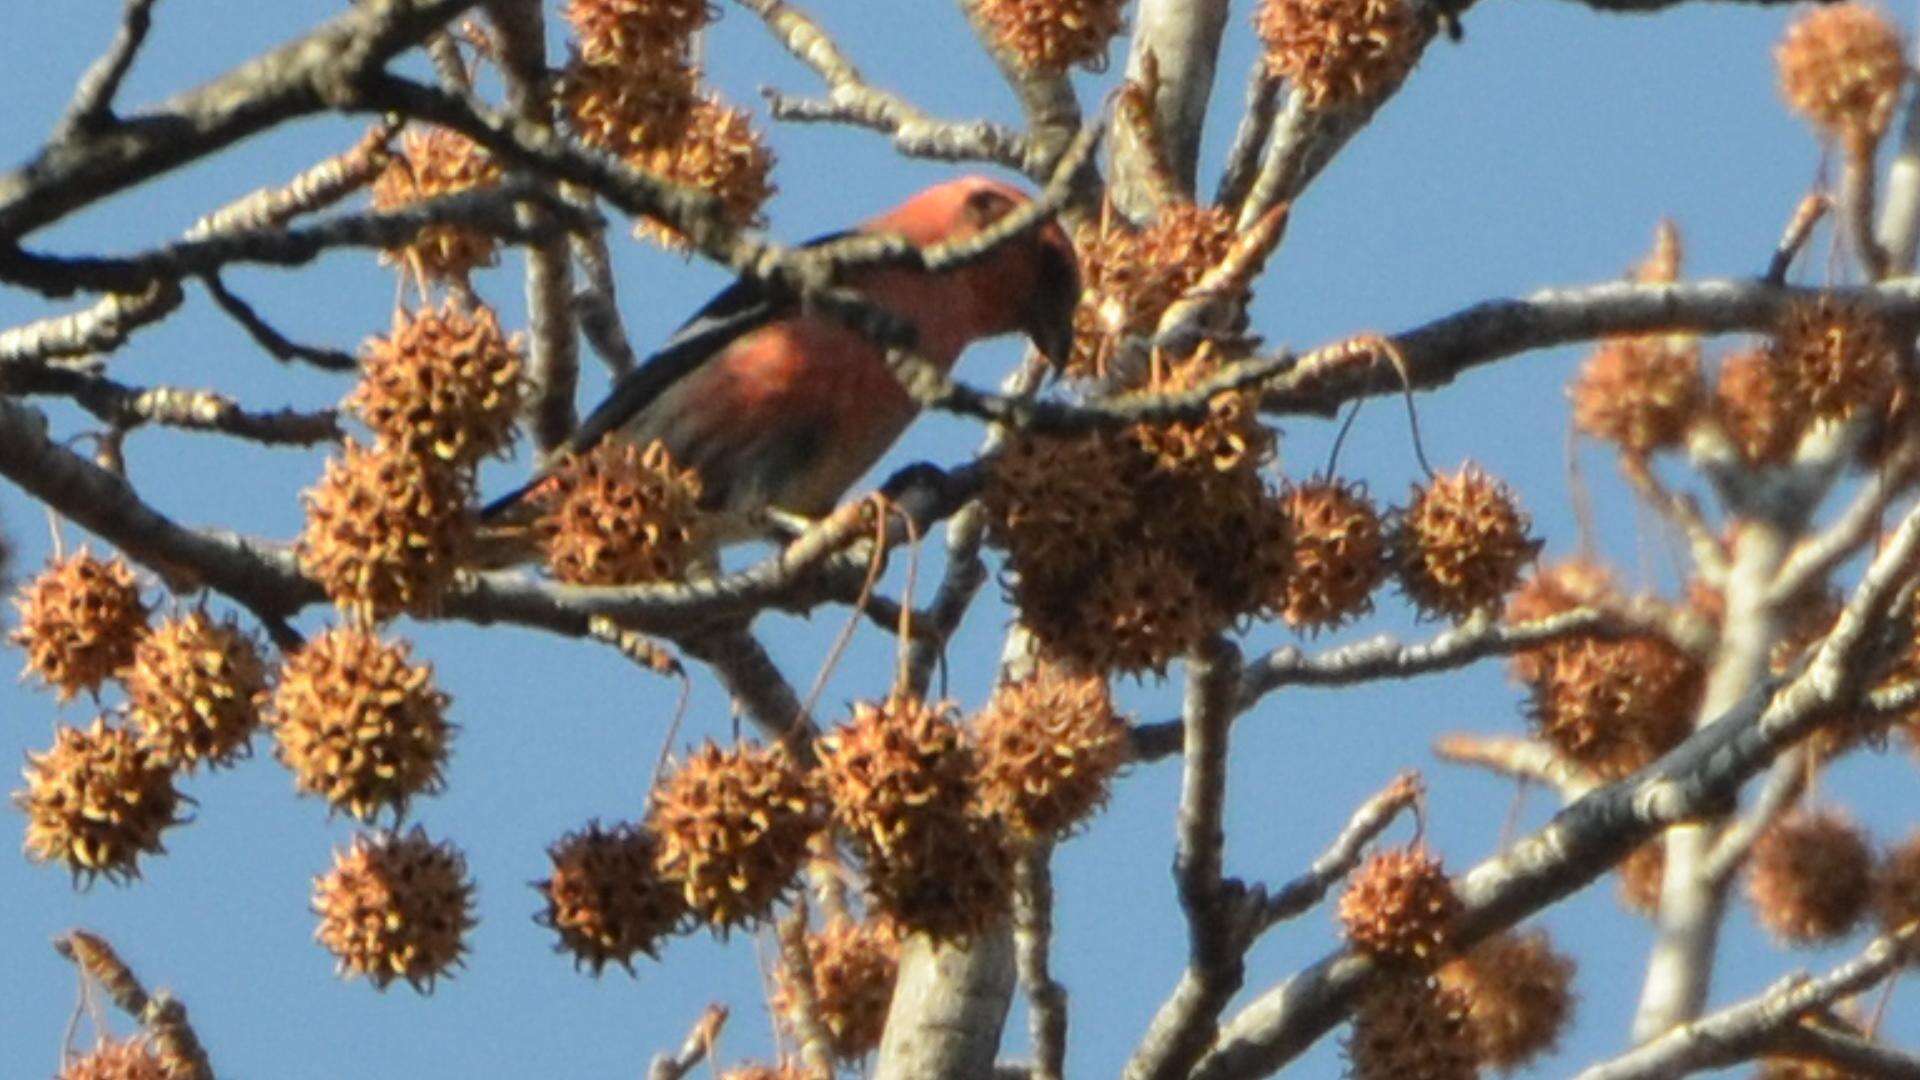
[1300,895]
[92,104]
[308,75]
[852,100]
[1032,938]
[1744,1031]
[1185,1025]
[1702,775]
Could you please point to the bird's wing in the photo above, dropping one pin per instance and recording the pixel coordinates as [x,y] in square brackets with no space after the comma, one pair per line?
[740,308]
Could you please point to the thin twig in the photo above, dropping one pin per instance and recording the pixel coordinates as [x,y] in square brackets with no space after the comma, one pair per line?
[161,1014]
[277,345]
[1299,896]
[1785,782]
[1522,759]
[92,106]
[1747,1030]
[695,1049]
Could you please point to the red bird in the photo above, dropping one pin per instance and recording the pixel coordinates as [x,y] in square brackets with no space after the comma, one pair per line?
[781,409]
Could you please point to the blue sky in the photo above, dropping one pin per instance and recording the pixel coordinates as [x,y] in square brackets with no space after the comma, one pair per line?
[1540,151]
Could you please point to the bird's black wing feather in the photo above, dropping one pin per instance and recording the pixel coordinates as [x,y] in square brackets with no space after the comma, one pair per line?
[741,307]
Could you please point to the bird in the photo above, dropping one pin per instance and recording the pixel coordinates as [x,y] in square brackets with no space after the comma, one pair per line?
[780,410]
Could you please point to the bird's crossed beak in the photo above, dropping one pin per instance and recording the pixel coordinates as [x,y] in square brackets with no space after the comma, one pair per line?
[1056,295]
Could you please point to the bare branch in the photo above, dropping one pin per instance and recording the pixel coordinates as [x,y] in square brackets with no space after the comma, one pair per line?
[1817,556]
[1256,123]
[1899,233]
[1180,39]
[553,358]
[101,328]
[1439,351]
[496,211]
[92,104]
[1185,1025]
[1744,1031]
[1384,657]
[597,305]
[1032,938]
[698,1044]
[311,74]
[1051,107]
[1847,1051]
[756,684]
[267,336]
[125,407]
[162,1014]
[803,1013]
[852,100]
[1785,782]
[1523,759]
[1300,895]
[313,190]
[1702,775]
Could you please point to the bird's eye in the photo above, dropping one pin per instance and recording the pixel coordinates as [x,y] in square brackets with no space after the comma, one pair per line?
[986,206]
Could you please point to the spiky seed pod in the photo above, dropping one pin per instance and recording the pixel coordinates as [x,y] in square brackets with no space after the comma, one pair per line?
[630,33]
[731,830]
[1145,610]
[899,778]
[1399,908]
[890,767]
[953,881]
[1640,875]
[619,515]
[1551,591]
[605,899]
[1129,278]
[1897,890]
[721,154]
[1461,544]
[1841,68]
[1519,995]
[1050,36]
[359,723]
[1639,393]
[1662,264]
[385,532]
[628,110]
[1410,1027]
[1810,877]
[1050,499]
[1048,747]
[1339,554]
[195,690]
[1341,52]
[433,162]
[1230,439]
[395,906]
[444,384]
[80,620]
[1756,408]
[122,1059]
[1836,358]
[1614,706]
[96,801]
[853,967]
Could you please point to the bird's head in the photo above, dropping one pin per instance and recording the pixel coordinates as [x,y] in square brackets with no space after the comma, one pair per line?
[1030,284]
